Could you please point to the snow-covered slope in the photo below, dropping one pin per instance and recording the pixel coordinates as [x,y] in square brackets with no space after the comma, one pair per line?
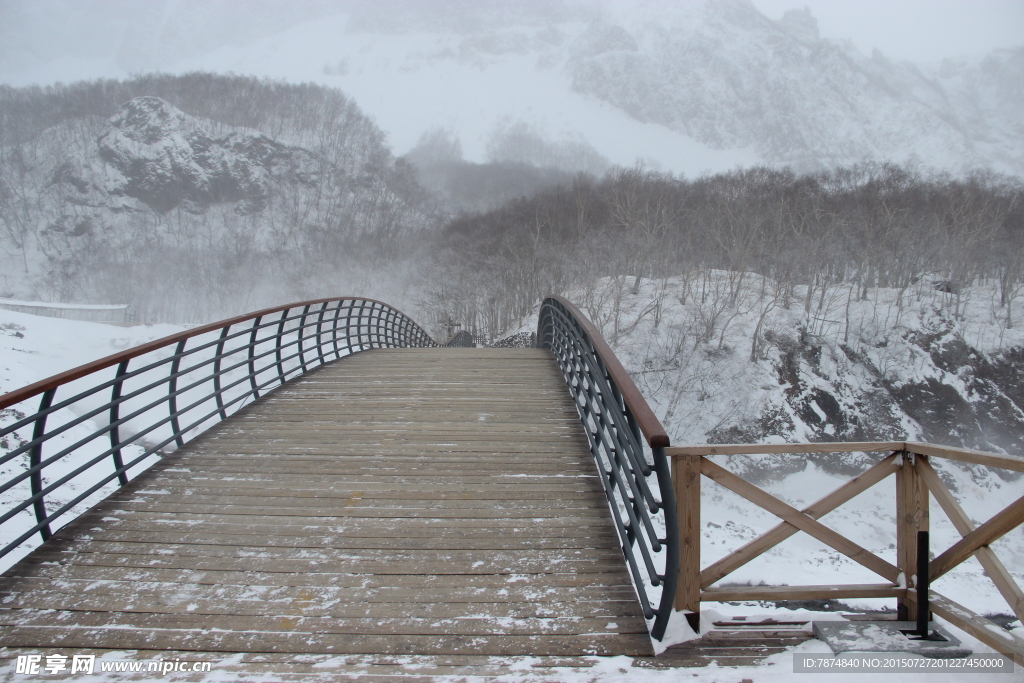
[688,85]
[156,155]
[33,347]
[190,218]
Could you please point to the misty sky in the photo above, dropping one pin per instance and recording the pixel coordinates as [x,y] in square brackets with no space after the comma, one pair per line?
[915,30]
[47,40]
[384,70]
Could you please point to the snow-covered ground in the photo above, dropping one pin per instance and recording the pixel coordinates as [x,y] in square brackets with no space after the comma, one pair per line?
[695,388]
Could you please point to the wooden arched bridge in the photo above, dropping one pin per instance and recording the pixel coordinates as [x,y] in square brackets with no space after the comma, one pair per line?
[323,485]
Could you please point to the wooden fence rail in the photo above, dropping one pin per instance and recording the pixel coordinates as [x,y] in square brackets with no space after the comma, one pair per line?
[916,483]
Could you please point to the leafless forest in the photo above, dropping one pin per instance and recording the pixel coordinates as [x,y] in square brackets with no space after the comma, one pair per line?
[869,225]
[325,198]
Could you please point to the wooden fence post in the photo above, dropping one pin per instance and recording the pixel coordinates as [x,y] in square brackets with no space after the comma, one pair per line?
[686,485]
[911,517]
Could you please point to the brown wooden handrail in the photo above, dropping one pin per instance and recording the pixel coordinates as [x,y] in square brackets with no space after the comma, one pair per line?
[26,392]
[649,424]
[1006,462]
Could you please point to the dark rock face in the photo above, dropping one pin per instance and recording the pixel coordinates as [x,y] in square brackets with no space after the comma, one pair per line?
[958,396]
[986,412]
[167,158]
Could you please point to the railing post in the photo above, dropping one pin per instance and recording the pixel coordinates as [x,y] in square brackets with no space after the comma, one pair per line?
[319,332]
[254,387]
[334,330]
[217,397]
[686,485]
[671,577]
[172,394]
[115,432]
[911,517]
[359,326]
[348,327]
[277,345]
[36,457]
[302,331]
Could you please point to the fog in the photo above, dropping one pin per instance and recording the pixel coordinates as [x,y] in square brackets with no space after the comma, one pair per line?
[476,68]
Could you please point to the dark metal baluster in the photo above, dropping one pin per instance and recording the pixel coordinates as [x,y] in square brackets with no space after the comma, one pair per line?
[372,324]
[319,331]
[254,388]
[216,374]
[337,314]
[348,326]
[402,332]
[115,432]
[389,328]
[381,327]
[35,457]
[359,325]
[277,349]
[172,399]
[302,331]
[668,504]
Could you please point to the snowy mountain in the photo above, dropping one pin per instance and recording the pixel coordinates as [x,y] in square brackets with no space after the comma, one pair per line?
[725,75]
[110,193]
[687,85]
[153,153]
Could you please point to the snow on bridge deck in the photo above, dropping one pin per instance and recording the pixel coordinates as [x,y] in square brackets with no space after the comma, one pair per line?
[437,502]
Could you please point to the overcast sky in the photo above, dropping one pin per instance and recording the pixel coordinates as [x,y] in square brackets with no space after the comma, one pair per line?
[46,40]
[916,30]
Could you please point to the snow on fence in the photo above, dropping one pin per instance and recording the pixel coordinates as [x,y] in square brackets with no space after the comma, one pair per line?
[123,314]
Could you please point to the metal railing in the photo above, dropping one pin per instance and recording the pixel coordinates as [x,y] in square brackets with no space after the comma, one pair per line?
[114,416]
[618,422]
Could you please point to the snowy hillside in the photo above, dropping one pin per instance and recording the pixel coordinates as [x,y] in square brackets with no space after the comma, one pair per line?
[110,193]
[690,86]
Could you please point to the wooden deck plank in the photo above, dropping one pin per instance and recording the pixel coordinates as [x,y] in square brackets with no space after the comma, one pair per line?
[424,502]
[324,577]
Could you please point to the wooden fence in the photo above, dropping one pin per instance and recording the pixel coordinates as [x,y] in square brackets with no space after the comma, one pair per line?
[915,480]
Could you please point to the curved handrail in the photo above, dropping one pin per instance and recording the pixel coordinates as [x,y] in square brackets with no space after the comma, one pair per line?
[618,420]
[649,424]
[178,387]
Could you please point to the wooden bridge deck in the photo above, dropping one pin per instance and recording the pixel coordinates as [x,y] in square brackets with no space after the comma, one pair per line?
[435,502]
